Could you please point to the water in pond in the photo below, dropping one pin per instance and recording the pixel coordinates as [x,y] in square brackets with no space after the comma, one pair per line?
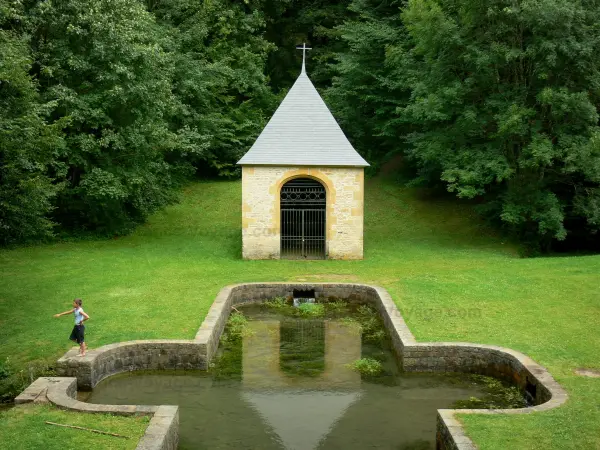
[321,376]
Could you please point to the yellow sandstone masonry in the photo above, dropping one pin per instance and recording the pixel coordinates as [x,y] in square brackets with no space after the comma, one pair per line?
[261,187]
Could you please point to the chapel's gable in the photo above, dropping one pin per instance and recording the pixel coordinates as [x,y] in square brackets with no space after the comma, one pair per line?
[303,132]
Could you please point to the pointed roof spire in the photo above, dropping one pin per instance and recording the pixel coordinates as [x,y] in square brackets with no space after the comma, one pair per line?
[304,48]
[303,132]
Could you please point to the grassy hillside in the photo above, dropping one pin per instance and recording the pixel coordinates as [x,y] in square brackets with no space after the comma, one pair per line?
[450,276]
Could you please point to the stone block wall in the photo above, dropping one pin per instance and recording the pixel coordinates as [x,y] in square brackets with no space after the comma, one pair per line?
[128,356]
[261,187]
[415,356]
[479,359]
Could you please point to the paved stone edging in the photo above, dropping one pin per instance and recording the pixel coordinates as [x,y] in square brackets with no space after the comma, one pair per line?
[415,357]
[162,432]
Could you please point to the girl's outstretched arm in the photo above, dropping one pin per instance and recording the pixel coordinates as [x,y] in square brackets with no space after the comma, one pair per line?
[64,313]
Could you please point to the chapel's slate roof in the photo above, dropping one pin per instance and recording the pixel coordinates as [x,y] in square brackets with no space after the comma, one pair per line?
[303,132]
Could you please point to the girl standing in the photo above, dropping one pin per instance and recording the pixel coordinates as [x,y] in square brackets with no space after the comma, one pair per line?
[78,333]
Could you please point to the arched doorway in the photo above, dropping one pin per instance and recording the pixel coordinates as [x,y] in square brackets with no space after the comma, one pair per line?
[303,204]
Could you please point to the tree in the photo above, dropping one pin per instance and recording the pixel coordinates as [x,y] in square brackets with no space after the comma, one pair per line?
[370,83]
[222,95]
[505,97]
[292,22]
[103,64]
[27,144]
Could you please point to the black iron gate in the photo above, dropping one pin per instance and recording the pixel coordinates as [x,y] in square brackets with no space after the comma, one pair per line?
[303,203]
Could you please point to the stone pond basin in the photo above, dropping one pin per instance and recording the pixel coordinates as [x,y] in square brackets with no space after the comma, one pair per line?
[84,373]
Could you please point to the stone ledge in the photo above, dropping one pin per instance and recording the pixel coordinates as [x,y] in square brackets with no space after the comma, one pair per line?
[416,357]
[162,432]
[129,356]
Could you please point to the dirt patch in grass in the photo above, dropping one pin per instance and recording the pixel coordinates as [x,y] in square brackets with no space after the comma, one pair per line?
[592,373]
[327,277]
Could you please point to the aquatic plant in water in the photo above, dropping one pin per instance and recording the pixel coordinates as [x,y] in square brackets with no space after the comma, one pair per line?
[282,306]
[277,303]
[497,395]
[351,323]
[336,307]
[372,330]
[311,310]
[228,362]
[322,308]
[237,325]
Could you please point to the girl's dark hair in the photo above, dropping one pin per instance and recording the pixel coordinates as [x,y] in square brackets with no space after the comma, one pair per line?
[78,301]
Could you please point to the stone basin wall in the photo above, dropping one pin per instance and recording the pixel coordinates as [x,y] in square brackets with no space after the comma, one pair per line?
[129,356]
[197,353]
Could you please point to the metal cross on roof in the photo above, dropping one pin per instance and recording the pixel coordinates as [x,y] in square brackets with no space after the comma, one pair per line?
[304,48]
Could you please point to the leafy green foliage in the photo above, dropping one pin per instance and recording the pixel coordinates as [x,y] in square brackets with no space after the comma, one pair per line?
[228,363]
[504,107]
[496,395]
[336,306]
[237,326]
[277,303]
[372,329]
[293,22]
[13,380]
[4,369]
[282,306]
[498,102]
[27,143]
[107,106]
[366,89]
[102,65]
[222,97]
[311,310]
[367,366]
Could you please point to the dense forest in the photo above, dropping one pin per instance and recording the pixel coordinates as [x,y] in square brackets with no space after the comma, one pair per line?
[108,106]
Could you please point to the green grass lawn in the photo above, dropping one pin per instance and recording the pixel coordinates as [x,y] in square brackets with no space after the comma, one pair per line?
[24,428]
[452,278]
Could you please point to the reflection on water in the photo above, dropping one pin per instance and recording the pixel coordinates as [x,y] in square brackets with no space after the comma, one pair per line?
[264,349]
[318,401]
[296,392]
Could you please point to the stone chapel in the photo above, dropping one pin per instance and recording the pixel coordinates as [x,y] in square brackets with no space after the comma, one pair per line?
[302,184]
